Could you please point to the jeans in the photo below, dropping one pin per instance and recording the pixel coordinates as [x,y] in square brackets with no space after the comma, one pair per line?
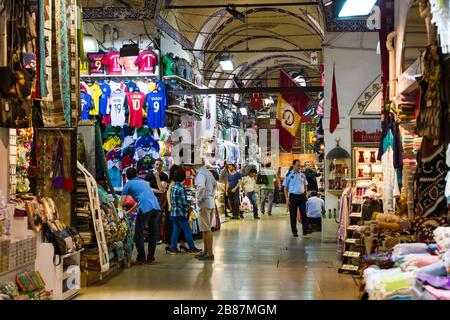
[151,219]
[266,194]
[179,225]
[252,197]
[298,201]
[235,203]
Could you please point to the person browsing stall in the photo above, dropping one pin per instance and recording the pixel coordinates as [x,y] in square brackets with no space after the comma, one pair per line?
[295,190]
[148,215]
[233,188]
[179,213]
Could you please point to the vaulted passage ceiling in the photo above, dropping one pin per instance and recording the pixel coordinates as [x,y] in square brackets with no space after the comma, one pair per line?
[276,36]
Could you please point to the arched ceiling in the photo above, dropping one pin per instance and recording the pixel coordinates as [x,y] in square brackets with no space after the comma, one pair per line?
[285,34]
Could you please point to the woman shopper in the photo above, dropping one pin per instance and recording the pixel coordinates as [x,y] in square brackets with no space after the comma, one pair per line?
[169,223]
[223,178]
[249,187]
[232,190]
[180,214]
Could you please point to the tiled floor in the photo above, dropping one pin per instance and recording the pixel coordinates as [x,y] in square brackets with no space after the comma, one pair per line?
[253,260]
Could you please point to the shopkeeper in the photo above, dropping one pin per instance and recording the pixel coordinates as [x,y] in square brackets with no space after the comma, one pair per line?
[295,185]
[159,188]
[149,213]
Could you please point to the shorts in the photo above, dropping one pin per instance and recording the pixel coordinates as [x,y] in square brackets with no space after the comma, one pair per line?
[205,219]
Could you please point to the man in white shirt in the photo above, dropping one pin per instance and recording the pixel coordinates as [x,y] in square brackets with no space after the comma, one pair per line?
[249,186]
[315,206]
[206,187]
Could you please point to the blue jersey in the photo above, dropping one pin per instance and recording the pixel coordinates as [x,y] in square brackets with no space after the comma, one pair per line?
[131,86]
[86,105]
[156,102]
[104,98]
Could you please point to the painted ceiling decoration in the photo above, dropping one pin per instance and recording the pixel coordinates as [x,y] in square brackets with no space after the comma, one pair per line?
[258,46]
[118,10]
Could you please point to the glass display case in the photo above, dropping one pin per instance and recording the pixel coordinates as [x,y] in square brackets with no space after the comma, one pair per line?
[338,162]
[366,164]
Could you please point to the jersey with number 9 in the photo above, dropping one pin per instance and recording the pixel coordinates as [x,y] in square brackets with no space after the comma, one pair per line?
[156,107]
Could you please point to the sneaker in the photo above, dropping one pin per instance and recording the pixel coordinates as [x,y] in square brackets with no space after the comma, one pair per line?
[137,263]
[198,256]
[159,242]
[206,258]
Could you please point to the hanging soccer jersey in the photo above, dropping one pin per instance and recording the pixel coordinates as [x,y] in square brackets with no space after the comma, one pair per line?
[86,105]
[104,98]
[143,87]
[169,65]
[156,107]
[117,86]
[96,92]
[95,63]
[135,102]
[112,63]
[131,86]
[112,143]
[117,109]
[146,60]
[128,64]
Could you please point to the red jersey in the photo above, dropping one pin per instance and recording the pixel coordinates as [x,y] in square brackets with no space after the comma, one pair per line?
[111,61]
[147,61]
[95,60]
[135,101]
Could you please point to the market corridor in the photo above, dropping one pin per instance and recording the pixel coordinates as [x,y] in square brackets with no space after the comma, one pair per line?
[253,260]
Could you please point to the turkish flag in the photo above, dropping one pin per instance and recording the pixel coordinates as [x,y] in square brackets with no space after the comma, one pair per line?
[297,102]
[334,112]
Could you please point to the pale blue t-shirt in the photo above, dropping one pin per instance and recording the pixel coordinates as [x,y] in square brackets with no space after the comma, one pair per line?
[140,191]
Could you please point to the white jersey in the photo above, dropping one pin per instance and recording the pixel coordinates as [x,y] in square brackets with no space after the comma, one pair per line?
[117,109]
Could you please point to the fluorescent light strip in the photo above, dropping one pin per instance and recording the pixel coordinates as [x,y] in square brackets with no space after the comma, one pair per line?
[353,8]
[227,65]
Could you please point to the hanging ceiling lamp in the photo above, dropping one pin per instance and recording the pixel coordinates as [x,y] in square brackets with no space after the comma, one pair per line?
[238,15]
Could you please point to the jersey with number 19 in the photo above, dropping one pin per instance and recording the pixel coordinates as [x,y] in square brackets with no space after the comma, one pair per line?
[156,107]
[135,101]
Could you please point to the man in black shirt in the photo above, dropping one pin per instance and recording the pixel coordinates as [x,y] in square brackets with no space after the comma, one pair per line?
[311,176]
[158,187]
[158,181]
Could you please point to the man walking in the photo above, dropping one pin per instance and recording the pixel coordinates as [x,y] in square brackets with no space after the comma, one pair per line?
[295,185]
[149,212]
[206,187]
[268,190]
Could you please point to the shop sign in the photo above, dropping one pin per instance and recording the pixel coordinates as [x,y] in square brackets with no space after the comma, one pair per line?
[366,131]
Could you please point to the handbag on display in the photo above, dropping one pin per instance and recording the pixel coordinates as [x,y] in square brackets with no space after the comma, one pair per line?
[129,50]
[76,238]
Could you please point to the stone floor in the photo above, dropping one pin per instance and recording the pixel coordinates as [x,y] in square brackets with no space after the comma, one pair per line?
[254,259]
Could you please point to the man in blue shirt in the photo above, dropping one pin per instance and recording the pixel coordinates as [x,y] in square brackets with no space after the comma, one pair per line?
[295,185]
[148,214]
